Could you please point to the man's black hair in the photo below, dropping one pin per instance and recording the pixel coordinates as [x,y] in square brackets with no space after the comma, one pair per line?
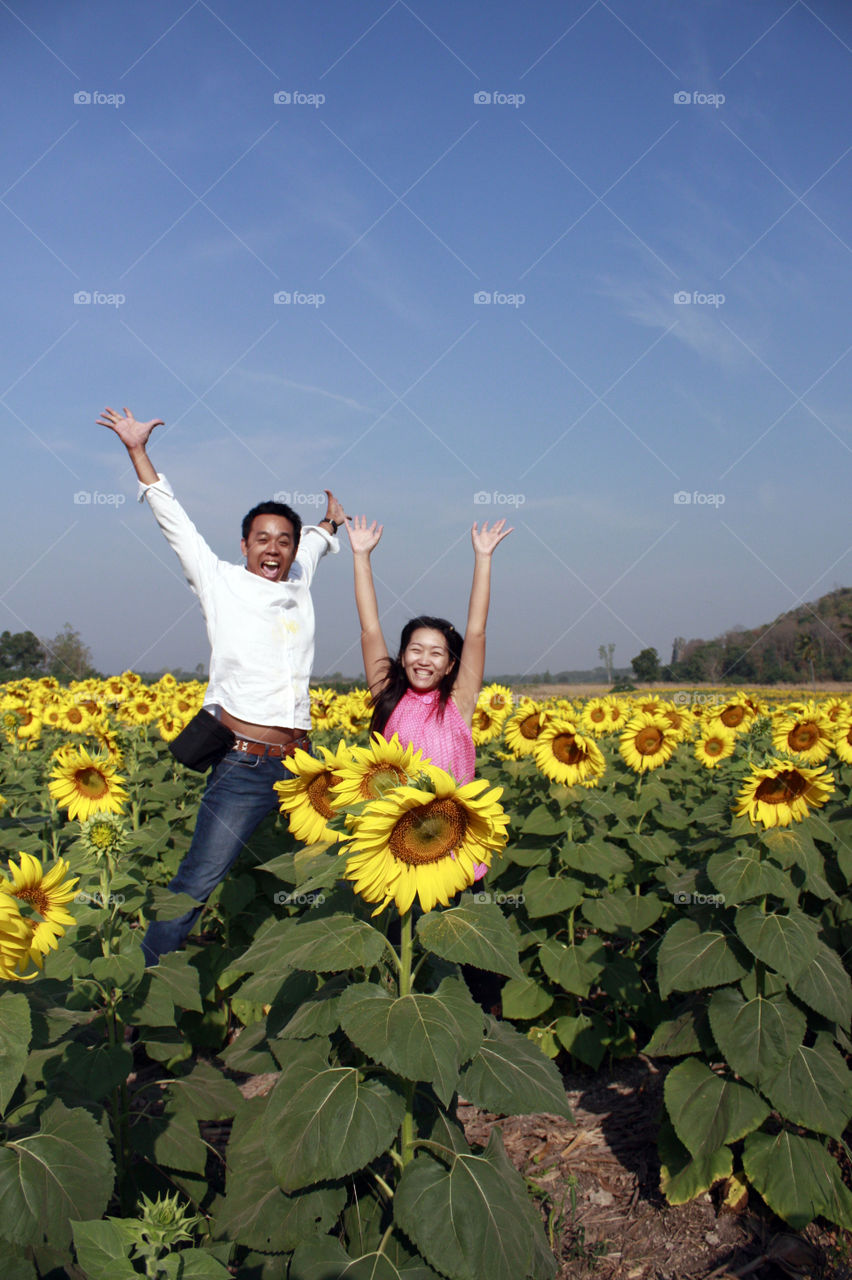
[273,509]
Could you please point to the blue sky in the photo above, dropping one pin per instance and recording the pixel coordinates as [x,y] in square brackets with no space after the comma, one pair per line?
[653,198]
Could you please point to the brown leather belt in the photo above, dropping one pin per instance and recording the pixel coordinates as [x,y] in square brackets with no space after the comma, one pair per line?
[274,750]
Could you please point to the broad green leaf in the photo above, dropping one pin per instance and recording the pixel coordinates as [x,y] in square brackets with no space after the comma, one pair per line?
[332,944]
[103,1250]
[62,1172]
[824,985]
[318,1015]
[86,1073]
[541,822]
[623,912]
[194,1264]
[122,972]
[171,1140]
[165,905]
[596,857]
[511,1076]
[709,1111]
[327,1260]
[265,955]
[741,877]
[546,895]
[798,1178]
[813,1088]
[524,998]
[15,1265]
[758,1035]
[674,1038]
[180,980]
[419,1037]
[472,933]
[206,1094]
[15,1035]
[575,968]
[585,1036]
[255,1211]
[474,1218]
[324,1124]
[690,958]
[683,1178]
[786,942]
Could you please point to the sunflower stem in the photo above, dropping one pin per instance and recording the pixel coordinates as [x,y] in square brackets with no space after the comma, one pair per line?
[406,947]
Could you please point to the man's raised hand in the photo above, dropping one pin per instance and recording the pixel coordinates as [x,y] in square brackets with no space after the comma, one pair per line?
[132,434]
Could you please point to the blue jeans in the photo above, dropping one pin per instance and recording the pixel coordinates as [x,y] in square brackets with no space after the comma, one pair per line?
[238,796]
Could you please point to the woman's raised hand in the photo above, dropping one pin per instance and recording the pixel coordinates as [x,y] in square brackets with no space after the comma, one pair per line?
[485,540]
[363,537]
[131,433]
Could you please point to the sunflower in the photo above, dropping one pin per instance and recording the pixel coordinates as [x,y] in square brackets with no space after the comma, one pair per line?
[170,726]
[15,940]
[524,728]
[324,713]
[497,698]
[737,714]
[647,742]
[424,844]
[46,895]
[680,720]
[104,833]
[305,797]
[370,772]
[86,784]
[564,755]
[809,735]
[843,739]
[75,718]
[595,717]
[782,793]
[486,725]
[716,742]
[28,724]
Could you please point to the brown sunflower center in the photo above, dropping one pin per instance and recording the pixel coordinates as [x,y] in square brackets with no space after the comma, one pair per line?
[803,736]
[733,716]
[497,701]
[565,749]
[530,727]
[318,789]
[598,715]
[429,833]
[783,788]
[74,715]
[481,720]
[91,782]
[649,740]
[35,897]
[714,746]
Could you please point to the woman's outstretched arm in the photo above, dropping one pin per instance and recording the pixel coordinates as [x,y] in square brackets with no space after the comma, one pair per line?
[472,666]
[364,539]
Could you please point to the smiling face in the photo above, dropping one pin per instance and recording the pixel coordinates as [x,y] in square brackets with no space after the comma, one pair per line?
[270,548]
[426,659]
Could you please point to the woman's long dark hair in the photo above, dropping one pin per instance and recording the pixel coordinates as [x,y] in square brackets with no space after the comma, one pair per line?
[396,681]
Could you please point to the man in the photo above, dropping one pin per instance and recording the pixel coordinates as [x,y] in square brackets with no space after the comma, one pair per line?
[260,623]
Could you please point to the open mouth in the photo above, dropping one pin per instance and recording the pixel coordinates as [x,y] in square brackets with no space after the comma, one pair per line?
[270,569]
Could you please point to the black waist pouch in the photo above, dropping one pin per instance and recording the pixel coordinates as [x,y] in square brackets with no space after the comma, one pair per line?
[203,742]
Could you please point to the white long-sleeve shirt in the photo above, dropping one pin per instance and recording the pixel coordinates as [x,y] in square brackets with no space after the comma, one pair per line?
[261,633]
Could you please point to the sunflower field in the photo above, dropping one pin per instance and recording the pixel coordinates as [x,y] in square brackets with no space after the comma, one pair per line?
[628,874]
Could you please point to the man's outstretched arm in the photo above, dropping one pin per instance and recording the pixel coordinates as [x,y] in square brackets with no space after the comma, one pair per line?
[134,436]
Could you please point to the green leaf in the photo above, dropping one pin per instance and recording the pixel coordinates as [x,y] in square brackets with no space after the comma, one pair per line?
[474,1218]
[333,944]
[86,1073]
[172,1141]
[683,1178]
[813,1088]
[255,1211]
[586,1037]
[785,942]
[797,1178]
[419,1037]
[674,1038]
[524,998]
[575,968]
[472,933]
[740,877]
[326,1122]
[206,1094]
[318,1015]
[623,912]
[541,822]
[194,1264]
[691,958]
[824,985]
[510,1075]
[179,978]
[597,857]
[103,1250]
[546,895]
[328,1260]
[62,1172]
[757,1035]
[15,1034]
[709,1111]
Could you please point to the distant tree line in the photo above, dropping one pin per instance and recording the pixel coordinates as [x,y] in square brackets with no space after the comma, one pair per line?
[65,657]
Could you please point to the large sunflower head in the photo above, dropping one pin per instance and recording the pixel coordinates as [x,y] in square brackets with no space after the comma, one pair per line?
[843,739]
[564,755]
[16,934]
[595,717]
[45,895]
[497,698]
[647,742]
[369,773]
[809,735]
[524,727]
[486,725]
[86,784]
[424,844]
[715,743]
[306,798]
[782,793]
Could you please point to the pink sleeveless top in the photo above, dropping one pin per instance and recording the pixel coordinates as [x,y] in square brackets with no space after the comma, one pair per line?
[445,740]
